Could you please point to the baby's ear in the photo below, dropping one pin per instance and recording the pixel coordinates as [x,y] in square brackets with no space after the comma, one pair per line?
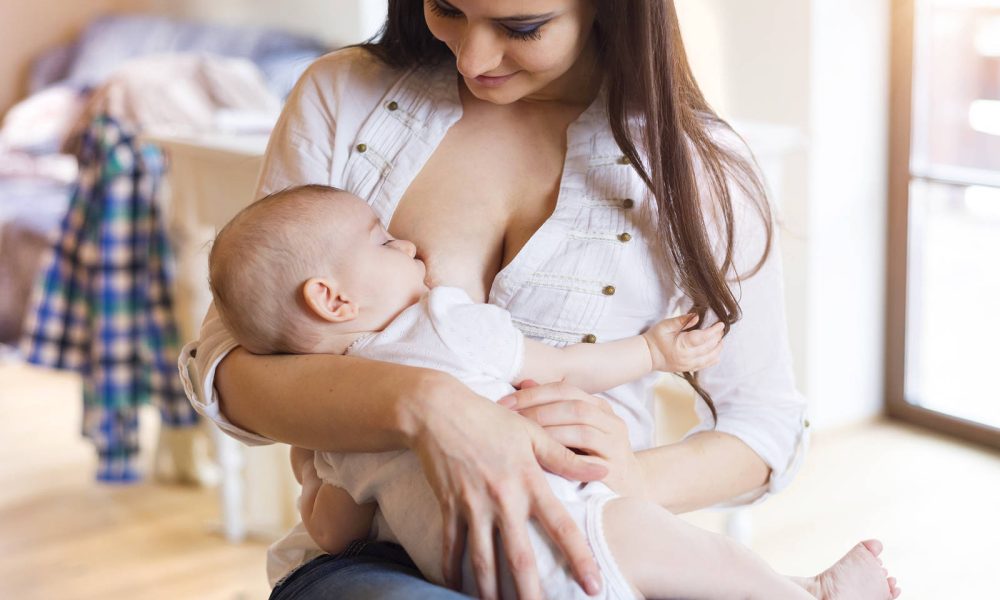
[324,299]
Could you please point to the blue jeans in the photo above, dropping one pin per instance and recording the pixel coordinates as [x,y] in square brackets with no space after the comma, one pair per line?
[365,571]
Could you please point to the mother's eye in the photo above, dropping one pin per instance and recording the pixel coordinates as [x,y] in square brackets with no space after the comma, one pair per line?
[443,10]
[524,32]
[520,31]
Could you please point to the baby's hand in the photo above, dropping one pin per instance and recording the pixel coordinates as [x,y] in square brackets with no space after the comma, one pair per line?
[676,351]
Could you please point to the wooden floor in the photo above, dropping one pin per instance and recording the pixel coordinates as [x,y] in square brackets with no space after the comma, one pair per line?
[64,536]
[935,503]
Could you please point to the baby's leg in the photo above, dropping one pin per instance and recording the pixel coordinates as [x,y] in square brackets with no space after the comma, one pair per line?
[664,557]
[330,515]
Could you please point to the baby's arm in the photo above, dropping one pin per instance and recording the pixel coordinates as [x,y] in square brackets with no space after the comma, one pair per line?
[332,518]
[598,367]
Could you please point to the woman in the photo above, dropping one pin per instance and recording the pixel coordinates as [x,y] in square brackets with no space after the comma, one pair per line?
[556,158]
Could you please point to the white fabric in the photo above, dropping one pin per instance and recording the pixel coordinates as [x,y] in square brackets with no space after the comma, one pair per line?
[553,286]
[184,93]
[447,331]
[479,345]
[41,121]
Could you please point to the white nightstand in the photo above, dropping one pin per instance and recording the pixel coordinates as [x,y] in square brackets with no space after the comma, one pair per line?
[209,179]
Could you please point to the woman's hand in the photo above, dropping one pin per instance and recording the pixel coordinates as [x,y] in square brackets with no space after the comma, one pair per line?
[586,424]
[483,464]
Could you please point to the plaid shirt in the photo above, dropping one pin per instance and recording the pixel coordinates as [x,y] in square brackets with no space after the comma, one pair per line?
[103,306]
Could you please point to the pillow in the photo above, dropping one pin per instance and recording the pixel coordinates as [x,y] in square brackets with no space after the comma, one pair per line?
[40,123]
[110,41]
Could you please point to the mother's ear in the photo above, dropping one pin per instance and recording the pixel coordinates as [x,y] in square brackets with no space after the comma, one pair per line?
[326,301]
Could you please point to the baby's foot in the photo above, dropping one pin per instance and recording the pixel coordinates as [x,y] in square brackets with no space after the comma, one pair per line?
[859,575]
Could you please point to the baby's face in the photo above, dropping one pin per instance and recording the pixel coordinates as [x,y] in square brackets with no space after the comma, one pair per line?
[382,273]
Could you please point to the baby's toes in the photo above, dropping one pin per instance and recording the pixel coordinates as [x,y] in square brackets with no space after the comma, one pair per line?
[894,590]
[873,546]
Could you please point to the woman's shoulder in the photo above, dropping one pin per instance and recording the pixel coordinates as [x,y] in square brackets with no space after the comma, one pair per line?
[345,61]
[723,135]
[351,72]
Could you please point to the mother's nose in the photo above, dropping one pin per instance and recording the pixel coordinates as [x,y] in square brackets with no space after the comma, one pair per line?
[479,51]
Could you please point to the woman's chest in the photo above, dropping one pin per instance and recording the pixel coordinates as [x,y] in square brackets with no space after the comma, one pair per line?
[486,189]
[557,229]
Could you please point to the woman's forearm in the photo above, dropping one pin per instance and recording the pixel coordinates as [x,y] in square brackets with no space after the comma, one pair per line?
[326,402]
[703,470]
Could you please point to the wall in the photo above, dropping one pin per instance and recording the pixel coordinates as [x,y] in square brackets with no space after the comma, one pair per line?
[28,27]
[848,203]
[24,32]
[337,22]
[819,67]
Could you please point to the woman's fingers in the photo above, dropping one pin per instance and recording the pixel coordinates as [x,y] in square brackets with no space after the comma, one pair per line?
[482,556]
[550,392]
[582,437]
[558,459]
[484,468]
[520,555]
[453,548]
[569,412]
[553,517]
[563,531]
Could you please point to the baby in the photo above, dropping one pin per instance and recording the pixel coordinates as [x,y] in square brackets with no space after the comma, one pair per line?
[312,270]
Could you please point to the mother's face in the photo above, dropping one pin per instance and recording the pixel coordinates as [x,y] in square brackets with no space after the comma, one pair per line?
[507,50]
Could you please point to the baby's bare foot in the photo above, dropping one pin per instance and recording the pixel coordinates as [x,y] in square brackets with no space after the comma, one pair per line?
[859,575]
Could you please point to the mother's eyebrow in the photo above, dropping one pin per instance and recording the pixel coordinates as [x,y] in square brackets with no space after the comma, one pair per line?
[514,18]
[525,18]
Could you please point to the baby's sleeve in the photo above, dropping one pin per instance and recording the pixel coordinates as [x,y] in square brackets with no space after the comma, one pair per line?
[197,364]
[483,334]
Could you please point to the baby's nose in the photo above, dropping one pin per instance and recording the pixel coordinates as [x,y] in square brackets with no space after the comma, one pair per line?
[408,247]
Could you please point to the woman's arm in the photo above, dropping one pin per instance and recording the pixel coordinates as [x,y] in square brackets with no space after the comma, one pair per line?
[325,402]
[758,443]
[482,461]
[675,474]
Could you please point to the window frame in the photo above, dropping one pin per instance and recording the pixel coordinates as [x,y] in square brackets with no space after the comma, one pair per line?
[903,17]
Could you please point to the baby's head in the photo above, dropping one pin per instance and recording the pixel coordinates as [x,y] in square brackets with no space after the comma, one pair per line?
[307,263]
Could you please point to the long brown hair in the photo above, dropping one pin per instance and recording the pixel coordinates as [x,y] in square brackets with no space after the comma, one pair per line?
[647,75]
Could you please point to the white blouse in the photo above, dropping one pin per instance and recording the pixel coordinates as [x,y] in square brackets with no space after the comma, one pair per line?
[590,273]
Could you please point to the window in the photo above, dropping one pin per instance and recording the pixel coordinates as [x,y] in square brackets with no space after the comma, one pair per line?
[943,342]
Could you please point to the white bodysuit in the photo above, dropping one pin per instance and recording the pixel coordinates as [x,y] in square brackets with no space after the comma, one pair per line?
[479,345]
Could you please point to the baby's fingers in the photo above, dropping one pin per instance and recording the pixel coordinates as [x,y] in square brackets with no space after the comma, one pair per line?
[701,337]
[679,323]
[703,360]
